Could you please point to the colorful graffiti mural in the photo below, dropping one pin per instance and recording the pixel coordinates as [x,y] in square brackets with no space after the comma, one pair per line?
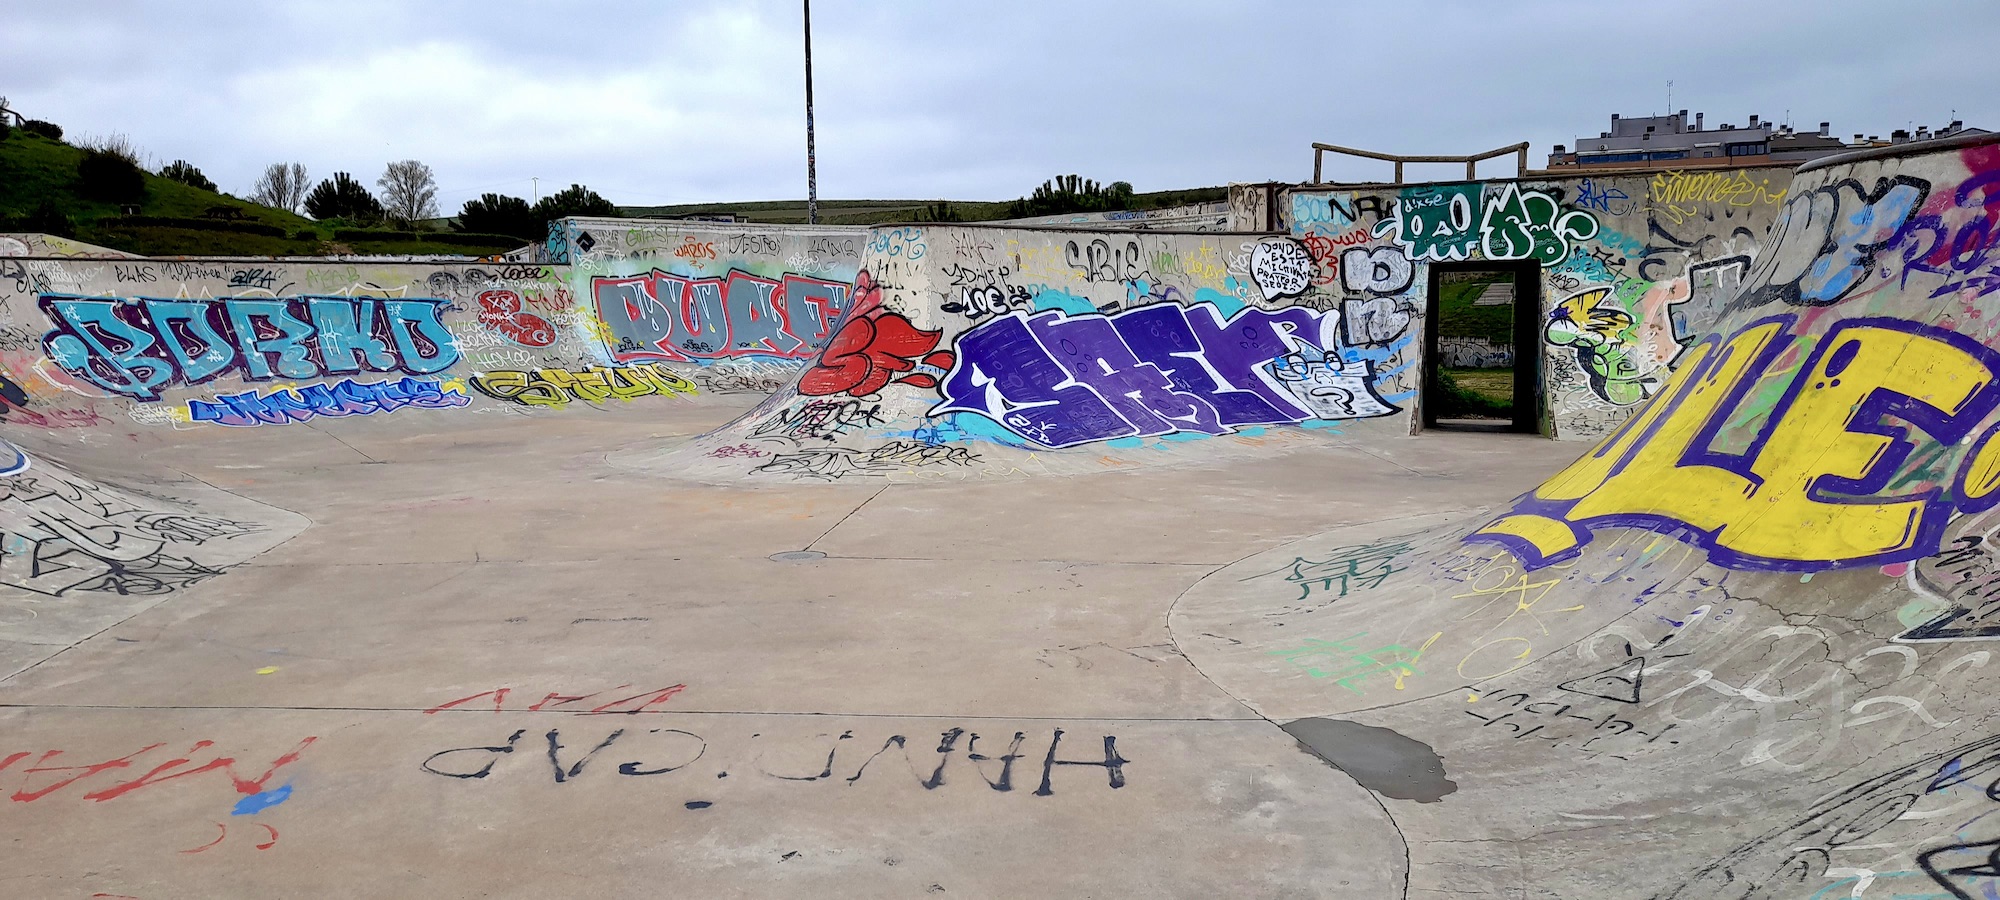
[344,398]
[1061,380]
[137,347]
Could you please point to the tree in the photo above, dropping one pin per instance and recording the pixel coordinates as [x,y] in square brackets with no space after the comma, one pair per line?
[575,200]
[498,214]
[409,192]
[184,172]
[1070,193]
[341,197]
[110,178]
[280,187]
[941,211]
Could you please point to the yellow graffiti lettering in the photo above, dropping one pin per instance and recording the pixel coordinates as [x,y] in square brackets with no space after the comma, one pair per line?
[1802,496]
[556,387]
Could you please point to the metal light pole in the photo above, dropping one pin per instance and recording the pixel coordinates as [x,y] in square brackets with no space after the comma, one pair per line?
[812,173]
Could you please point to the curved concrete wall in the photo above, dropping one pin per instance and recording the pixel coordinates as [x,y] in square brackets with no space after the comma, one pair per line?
[1736,650]
[977,349]
[1633,267]
[649,311]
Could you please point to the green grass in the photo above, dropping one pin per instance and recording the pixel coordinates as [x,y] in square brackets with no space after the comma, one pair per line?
[34,168]
[1469,393]
[1457,317]
[1496,385]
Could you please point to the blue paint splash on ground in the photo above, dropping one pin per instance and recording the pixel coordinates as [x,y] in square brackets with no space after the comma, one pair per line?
[262,800]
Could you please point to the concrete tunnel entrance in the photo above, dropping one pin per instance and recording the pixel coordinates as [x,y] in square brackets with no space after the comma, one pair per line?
[1481,368]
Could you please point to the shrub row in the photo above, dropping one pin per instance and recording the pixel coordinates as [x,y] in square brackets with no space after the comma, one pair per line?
[195,224]
[463,239]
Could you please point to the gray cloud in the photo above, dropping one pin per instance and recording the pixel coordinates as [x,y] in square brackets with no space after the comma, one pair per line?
[655,103]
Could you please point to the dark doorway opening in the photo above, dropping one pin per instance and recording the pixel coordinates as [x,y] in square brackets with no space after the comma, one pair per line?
[1482,347]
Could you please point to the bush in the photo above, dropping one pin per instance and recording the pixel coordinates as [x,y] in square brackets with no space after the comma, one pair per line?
[1455,401]
[431,237]
[305,234]
[341,197]
[196,224]
[49,130]
[6,128]
[500,214]
[1070,194]
[48,218]
[182,171]
[113,144]
[110,178]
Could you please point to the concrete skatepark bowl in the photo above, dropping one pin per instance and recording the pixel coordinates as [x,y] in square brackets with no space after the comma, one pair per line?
[694,560]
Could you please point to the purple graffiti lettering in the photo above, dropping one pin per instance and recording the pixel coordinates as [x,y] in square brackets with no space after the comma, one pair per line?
[1060,380]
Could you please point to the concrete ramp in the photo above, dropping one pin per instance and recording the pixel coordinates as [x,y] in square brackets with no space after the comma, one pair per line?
[1739,649]
[83,554]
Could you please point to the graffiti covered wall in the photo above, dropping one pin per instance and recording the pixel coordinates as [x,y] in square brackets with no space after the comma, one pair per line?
[731,307]
[1839,412]
[652,310]
[1634,267]
[967,344]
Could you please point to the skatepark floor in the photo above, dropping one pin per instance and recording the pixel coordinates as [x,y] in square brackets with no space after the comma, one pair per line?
[498,666]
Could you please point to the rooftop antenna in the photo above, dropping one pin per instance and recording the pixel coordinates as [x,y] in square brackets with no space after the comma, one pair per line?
[1670,96]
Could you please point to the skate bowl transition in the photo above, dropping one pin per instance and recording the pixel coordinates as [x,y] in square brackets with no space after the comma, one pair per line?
[655,564]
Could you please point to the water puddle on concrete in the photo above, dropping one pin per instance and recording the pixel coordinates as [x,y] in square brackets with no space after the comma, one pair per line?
[1379,759]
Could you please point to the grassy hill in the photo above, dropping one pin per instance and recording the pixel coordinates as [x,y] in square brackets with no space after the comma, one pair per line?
[175,219]
[875,212]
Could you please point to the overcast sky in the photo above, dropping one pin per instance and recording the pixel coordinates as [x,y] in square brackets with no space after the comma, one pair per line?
[684,102]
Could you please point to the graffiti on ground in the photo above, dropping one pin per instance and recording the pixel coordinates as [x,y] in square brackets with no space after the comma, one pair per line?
[61,534]
[835,463]
[663,751]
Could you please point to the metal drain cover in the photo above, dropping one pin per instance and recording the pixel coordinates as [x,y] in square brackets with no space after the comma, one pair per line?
[798,556]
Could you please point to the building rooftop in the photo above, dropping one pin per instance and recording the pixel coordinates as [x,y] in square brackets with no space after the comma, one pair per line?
[1674,140]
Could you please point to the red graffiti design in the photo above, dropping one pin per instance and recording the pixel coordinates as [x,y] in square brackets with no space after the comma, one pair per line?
[871,347]
[222,831]
[653,697]
[501,311]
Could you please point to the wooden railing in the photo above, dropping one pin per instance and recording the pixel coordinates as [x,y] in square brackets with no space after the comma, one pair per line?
[1521,162]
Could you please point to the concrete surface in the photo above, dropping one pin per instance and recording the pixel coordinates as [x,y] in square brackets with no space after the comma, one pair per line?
[448,566]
